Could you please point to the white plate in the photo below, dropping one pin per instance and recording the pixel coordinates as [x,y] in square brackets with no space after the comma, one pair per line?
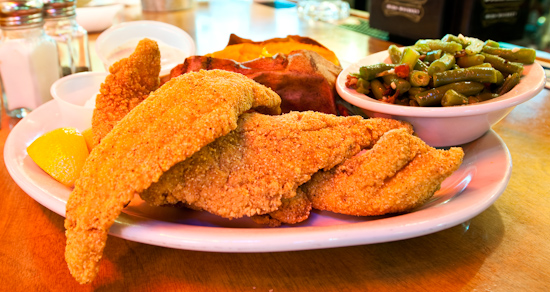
[480,180]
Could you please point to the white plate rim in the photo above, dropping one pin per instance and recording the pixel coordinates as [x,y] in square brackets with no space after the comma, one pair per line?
[531,84]
[470,195]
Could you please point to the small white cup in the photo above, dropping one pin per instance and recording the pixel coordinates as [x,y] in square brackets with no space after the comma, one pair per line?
[120,41]
[75,95]
[99,18]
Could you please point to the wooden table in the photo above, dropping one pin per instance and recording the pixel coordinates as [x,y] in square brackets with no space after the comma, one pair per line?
[505,248]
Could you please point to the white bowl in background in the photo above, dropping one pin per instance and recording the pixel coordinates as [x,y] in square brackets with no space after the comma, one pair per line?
[75,95]
[120,40]
[444,126]
[99,18]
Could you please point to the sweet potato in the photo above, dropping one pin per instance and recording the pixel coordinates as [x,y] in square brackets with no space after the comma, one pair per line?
[242,50]
[304,79]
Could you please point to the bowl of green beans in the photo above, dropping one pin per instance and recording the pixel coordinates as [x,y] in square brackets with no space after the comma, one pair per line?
[452,90]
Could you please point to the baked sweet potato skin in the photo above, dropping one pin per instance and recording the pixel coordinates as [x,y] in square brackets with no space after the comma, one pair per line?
[304,79]
[279,45]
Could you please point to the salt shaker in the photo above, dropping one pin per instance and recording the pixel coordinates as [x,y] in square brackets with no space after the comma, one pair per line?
[71,38]
[29,64]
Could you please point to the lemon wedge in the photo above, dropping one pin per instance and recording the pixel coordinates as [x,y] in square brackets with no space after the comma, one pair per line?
[88,137]
[61,153]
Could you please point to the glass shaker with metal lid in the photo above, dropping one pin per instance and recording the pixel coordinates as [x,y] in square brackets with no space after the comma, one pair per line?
[71,38]
[28,57]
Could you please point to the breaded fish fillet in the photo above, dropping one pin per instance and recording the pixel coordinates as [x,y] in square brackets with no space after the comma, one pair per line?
[249,171]
[130,81]
[398,174]
[173,123]
[293,210]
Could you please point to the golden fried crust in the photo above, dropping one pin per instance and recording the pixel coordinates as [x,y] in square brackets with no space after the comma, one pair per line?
[130,81]
[398,174]
[172,124]
[291,211]
[249,171]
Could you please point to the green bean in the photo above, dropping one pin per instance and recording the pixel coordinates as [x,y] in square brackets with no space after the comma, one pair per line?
[369,72]
[363,86]
[486,96]
[442,64]
[377,89]
[521,55]
[475,46]
[469,61]
[453,70]
[395,54]
[453,38]
[434,96]
[415,90]
[420,66]
[483,65]
[433,55]
[500,78]
[491,43]
[509,83]
[410,56]
[483,75]
[502,65]
[451,98]
[424,46]
[419,78]
[399,84]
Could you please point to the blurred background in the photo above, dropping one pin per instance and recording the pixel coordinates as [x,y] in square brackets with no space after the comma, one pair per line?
[519,22]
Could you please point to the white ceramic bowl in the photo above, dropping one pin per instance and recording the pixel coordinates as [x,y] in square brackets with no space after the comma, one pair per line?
[444,126]
[120,40]
[99,18]
[75,95]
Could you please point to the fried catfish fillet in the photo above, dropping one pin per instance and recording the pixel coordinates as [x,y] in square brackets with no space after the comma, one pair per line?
[169,126]
[252,169]
[398,174]
[293,210]
[130,81]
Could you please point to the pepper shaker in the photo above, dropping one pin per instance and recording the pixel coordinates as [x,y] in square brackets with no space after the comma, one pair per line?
[71,38]
[29,63]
